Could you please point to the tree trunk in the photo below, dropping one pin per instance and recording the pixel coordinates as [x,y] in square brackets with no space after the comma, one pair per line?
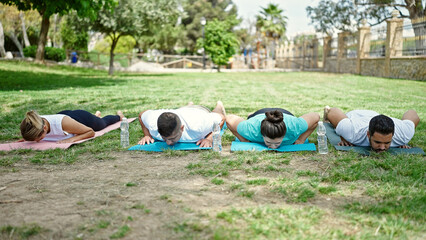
[111,54]
[2,50]
[16,42]
[42,39]
[24,30]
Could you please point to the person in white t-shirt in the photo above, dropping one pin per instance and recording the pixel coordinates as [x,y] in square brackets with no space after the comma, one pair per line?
[369,128]
[191,123]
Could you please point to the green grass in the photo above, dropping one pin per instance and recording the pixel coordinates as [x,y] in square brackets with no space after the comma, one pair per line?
[375,197]
[121,232]
[24,232]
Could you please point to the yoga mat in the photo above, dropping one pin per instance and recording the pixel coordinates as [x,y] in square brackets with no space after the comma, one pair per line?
[160,146]
[251,146]
[334,139]
[44,145]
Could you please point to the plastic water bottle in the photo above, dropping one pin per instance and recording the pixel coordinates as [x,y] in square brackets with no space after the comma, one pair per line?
[124,126]
[217,139]
[322,139]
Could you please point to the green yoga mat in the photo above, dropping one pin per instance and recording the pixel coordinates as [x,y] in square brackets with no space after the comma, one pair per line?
[334,139]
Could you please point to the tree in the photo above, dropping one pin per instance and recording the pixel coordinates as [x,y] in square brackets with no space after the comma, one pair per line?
[220,42]
[46,8]
[132,17]
[223,10]
[74,33]
[345,15]
[11,20]
[163,38]
[271,22]
[2,50]
[24,29]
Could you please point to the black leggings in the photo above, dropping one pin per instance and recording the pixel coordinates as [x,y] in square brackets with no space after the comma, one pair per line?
[264,110]
[90,120]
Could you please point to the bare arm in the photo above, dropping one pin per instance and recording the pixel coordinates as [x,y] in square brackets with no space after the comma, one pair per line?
[147,139]
[208,140]
[81,131]
[312,120]
[232,122]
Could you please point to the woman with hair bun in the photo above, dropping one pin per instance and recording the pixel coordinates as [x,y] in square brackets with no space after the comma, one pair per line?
[66,126]
[273,126]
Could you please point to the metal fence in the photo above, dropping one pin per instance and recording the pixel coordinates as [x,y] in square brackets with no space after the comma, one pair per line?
[377,42]
[414,37]
[351,46]
[332,47]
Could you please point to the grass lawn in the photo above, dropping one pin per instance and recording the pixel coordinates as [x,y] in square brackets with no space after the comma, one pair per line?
[268,195]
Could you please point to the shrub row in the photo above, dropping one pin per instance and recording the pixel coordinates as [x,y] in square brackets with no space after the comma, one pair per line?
[50,53]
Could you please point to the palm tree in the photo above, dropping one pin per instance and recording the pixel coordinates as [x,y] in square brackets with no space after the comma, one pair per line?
[271,22]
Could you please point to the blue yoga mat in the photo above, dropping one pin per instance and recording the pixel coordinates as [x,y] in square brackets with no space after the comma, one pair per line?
[160,146]
[251,146]
[334,139]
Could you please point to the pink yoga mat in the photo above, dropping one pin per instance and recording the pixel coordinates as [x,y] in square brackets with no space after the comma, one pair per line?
[44,145]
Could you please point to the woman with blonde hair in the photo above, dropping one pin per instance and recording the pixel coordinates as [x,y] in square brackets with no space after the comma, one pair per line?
[66,126]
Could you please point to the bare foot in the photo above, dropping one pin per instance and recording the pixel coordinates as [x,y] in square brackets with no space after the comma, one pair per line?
[98,114]
[220,108]
[326,110]
[190,103]
[120,113]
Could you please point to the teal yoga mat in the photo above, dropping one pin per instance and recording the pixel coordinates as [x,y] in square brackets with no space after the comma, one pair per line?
[334,139]
[251,146]
[160,146]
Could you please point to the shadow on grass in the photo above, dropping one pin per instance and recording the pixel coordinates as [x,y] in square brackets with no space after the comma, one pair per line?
[12,80]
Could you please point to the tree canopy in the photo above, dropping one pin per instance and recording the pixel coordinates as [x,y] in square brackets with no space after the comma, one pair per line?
[220,43]
[223,10]
[271,21]
[134,18]
[46,8]
[346,15]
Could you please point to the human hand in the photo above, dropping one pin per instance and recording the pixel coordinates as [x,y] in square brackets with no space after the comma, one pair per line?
[205,142]
[344,143]
[146,140]
[404,146]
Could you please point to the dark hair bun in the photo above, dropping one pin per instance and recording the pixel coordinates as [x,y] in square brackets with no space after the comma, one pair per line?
[274,116]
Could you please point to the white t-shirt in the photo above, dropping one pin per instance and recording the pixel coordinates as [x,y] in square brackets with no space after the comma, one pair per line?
[56,132]
[354,128]
[197,122]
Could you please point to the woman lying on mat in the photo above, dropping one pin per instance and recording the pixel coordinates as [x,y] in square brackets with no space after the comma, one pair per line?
[66,126]
[273,126]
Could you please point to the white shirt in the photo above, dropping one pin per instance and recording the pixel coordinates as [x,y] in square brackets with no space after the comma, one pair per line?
[197,122]
[56,132]
[354,128]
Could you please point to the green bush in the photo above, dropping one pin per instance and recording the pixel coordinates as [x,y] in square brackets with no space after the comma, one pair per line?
[55,54]
[50,53]
[30,51]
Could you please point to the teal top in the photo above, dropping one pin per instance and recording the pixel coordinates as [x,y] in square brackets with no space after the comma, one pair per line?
[250,129]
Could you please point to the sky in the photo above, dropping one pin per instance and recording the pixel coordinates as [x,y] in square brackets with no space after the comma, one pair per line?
[294,10]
